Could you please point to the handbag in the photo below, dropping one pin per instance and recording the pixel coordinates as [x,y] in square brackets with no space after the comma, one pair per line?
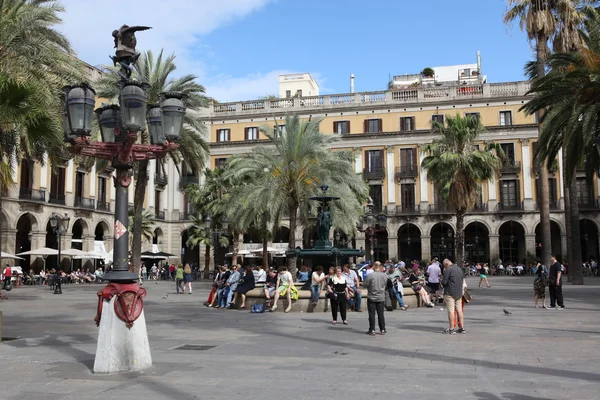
[331,296]
[417,287]
[257,308]
[466,296]
[8,286]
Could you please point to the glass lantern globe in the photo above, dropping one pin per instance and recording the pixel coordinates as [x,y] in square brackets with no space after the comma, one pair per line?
[79,103]
[155,127]
[173,111]
[133,99]
[109,121]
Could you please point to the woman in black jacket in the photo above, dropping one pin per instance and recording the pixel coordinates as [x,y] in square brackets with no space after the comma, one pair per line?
[247,285]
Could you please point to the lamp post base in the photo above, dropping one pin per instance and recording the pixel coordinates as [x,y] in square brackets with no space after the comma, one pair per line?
[121,348]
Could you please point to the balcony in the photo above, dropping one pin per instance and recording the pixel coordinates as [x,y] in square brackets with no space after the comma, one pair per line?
[414,209]
[439,209]
[554,206]
[103,205]
[480,207]
[188,180]
[56,198]
[85,203]
[510,206]
[159,215]
[406,171]
[374,174]
[161,179]
[511,167]
[589,205]
[32,194]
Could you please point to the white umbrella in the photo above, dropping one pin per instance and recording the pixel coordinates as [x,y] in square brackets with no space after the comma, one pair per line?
[10,256]
[42,252]
[240,253]
[90,255]
[72,252]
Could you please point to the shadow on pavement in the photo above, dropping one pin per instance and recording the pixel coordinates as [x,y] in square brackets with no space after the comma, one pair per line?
[506,396]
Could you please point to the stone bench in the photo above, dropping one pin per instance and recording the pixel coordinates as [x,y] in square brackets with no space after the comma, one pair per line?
[304,303]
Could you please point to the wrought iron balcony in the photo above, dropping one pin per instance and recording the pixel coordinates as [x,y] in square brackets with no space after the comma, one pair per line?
[102,205]
[159,215]
[32,194]
[188,180]
[588,205]
[161,179]
[510,206]
[84,202]
[553,205]
[439,209]
[56,198]
[408,210]
[480,207]
[406,171]
[370,174]
[511,167]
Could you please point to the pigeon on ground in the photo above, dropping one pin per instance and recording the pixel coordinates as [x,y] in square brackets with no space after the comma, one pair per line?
[165,296]
[506,312]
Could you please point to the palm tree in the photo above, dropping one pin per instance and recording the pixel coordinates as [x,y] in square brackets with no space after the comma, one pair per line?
[284,175]
[198,234]
[572,120]
[458,166]
[543,20]
[193,148]
[147,226]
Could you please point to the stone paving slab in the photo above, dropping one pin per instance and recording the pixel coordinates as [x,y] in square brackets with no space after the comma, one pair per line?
[530,355]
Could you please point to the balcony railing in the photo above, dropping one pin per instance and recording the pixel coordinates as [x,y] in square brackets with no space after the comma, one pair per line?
[480,207]
[438,209]
[84,202]
[588,205]
[408,210]
[406,171]
[510,206]
[56,198]
[161,179]
[159,215]
[102,205]
[32,194]
[511,167]
[374,173]
[407,95]
[188,180]
[553,205]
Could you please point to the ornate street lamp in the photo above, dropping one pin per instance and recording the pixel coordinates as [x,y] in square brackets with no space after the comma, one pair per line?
[173,112]
[109,121]
[132,101]
[79,101]
[59,225]
[371,224]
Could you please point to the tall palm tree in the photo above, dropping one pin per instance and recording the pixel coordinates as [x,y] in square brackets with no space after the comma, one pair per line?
[148,223]
[572,122]
[543,20]
[290,171]
[458,166]
[198,234]
[193,150]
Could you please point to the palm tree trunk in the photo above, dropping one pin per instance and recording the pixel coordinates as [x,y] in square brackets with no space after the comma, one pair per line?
[291,261]
[460,239]
[568,211]
[236,247]
[207,262]
[544,202]
[138,206]
[575,269]
[265,251]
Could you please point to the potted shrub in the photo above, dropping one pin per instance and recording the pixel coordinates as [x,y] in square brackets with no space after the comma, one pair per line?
[428,72]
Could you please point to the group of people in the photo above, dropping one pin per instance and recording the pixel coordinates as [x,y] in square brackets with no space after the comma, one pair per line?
[231,282]
[552,278]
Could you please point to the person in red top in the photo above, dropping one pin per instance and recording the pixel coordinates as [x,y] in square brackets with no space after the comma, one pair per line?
[7,274]
[172,271]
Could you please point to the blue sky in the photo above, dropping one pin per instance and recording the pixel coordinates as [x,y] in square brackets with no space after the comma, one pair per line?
[238,47]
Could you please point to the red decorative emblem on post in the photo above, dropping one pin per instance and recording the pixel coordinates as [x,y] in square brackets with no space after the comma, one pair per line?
[128,305]
[119,229]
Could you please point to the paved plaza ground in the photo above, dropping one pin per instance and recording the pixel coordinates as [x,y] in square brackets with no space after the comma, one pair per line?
[529,355]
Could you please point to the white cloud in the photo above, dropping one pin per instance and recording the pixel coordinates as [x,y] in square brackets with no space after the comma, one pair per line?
[177,26]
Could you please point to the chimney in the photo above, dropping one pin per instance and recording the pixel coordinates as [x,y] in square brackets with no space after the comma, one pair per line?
[351,83]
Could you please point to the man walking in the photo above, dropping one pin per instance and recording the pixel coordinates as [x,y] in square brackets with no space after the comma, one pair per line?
[555,284]
[434,272]
[452,282]
[376,284]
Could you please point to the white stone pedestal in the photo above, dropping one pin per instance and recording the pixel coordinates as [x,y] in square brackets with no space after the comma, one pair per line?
[121,349]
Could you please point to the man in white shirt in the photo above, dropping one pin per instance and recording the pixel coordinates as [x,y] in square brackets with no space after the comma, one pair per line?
[353,284]
[434,272]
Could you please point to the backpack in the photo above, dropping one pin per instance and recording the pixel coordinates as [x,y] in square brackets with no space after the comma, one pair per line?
[257,308]
[187,269]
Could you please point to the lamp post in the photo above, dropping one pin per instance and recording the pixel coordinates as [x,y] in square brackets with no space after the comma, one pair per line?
[214,233]
[59,225]
[371,224]
[122,349]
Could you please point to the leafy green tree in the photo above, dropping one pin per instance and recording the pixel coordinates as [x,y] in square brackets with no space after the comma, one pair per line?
[456,164]
[158,73]
[285,174]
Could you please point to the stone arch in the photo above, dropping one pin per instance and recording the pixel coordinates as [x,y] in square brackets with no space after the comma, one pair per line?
[482,222]
[32,220]
[281,235]
[409,242]
[157,236]
[477,239]
[5,220]
[102,230]
[416,225]
[515,221]
[436,224]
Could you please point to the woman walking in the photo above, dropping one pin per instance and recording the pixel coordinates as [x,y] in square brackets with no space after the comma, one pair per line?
[482,275]
[540,272]
[187,278]
[339,295]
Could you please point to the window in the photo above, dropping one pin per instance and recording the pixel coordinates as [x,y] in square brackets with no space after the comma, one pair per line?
[79,180]
[341,127]
[376,193]
[407,193]
[252,133]
[288,94]
[299,93]
[157,201]
[279,130]
[57,186]
[407,123]
[374,160]
[408,158]
[220,162]
[583,192]
[437,118]
[509,194]
[509,152]
[474,115]
[505,118]
[223,135]
[102,189]
[373,125]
